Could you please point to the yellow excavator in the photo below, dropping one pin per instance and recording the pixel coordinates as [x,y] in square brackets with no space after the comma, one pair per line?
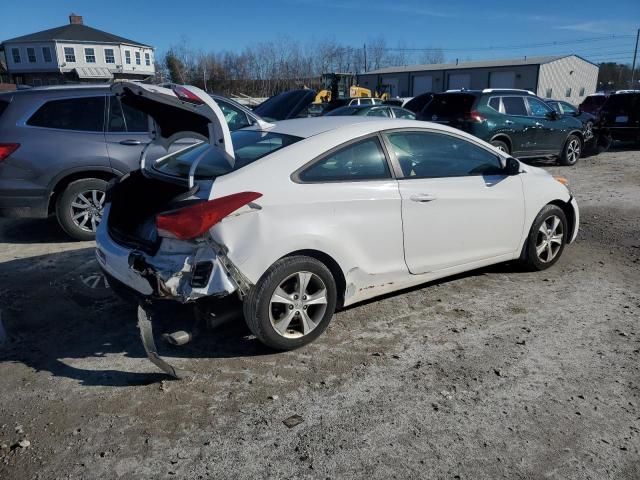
[343,85]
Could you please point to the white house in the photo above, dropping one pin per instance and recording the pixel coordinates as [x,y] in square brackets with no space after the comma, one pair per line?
[76,52]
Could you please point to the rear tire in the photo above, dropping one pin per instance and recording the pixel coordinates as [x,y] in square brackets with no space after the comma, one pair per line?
[500,145]
[546,240]
[571,152]
[292,303]
[79,208]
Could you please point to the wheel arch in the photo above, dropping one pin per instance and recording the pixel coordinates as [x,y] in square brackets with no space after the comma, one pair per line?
[62,181]
[333,267]
[568,213]
[503,137]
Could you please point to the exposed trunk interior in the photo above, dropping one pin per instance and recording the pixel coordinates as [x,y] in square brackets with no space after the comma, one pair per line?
[135,201]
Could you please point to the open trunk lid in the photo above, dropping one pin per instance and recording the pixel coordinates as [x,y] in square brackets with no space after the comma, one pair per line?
[180,112]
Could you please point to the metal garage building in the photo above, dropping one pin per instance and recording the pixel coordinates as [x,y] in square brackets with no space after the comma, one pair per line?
[567,77]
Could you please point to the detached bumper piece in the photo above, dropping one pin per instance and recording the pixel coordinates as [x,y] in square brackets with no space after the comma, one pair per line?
[145,318]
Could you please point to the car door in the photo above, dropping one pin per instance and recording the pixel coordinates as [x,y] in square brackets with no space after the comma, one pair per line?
[549,136]
[518,125]
[458,204]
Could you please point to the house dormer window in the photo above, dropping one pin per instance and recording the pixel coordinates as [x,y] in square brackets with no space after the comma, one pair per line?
[137,58]
[31,55]
[69,55]
[109,56]
[127,57]
[90,55]
[15,54]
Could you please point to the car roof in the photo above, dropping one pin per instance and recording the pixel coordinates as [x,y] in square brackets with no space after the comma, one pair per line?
[311,126]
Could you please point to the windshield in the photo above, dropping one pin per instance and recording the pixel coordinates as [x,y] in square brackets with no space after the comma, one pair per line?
[248,145]
[285,105]
[594,101]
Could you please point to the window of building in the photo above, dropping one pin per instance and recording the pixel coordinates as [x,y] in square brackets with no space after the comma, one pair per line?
[127,57]
[434,155]
[109,56]
[46,54]
[31,55]
[147,59]
[69,55]
[137,58]
[15,53]
[82,114]
[567,93]
[90,55]
[363,160]
[582,91]
[549,93]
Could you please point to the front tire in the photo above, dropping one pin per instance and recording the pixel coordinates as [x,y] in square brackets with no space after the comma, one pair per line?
[292,303]
[79,208]
[547,238]
[571,151]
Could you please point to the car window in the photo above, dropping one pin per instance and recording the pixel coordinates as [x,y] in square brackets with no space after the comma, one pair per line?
[248,146]
[363,160]
[494,102]
[434,155]
[556,106]
[123,118]
[514,106]
[402,113]
[568,108]
[365,101]
[234,116]
[449,105]
[378,112]
[538,107]
[83,114]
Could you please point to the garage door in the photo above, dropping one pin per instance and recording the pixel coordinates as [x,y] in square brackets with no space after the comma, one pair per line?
[458,81]
[422,84]
[390,84]
[502,79]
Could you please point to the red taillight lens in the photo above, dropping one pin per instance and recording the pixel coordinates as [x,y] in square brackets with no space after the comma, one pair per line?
[7,149]
[475,116]
[192,222]
[186,95]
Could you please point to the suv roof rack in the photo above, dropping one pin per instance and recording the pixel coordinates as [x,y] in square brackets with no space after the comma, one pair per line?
[491,90]
[627,91]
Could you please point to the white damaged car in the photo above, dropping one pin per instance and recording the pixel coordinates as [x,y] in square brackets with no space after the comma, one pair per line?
[303,217]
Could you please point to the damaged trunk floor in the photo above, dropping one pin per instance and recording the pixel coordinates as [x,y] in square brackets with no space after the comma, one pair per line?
[497,373]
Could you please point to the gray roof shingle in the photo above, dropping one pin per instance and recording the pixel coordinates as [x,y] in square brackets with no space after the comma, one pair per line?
[74,33]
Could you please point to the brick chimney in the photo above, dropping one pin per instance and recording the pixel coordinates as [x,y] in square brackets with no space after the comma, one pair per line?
[75,19]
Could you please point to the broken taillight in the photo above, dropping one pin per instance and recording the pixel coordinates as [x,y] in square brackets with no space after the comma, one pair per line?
[193,221]
[7,149]
[187,95]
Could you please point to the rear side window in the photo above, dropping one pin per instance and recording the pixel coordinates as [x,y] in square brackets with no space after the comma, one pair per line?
[83,114]
[594,101]
[450,105]
[494,102]
[514,105]
[363,160]
[248,146]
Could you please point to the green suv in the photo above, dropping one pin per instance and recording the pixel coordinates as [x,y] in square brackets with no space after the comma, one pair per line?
[515,121]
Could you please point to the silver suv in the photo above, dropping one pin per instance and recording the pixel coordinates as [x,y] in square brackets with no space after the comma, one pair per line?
[60,146]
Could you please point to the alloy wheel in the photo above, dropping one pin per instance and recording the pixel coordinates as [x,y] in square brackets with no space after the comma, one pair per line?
[298,304]
[549,239]
[87,208]
[573,150]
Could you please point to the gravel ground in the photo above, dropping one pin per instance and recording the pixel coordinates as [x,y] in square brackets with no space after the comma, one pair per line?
[494,374]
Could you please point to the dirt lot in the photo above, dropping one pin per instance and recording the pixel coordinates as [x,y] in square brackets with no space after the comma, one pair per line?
[494,374]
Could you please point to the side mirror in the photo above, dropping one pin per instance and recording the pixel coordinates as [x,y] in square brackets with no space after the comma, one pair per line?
[512,167]
[552,115]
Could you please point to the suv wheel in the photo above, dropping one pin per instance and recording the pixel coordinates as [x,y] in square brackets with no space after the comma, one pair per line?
[79,208]
[572,151]
[500,145]
[292,304]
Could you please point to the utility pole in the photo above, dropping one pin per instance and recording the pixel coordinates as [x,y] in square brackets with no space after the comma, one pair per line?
[633,67]
[365,57]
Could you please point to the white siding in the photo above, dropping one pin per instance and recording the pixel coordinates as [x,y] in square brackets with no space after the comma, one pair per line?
[572,73]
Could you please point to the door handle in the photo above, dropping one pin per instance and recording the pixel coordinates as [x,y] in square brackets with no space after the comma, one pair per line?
[508,122]
[130,142]
[422,197]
